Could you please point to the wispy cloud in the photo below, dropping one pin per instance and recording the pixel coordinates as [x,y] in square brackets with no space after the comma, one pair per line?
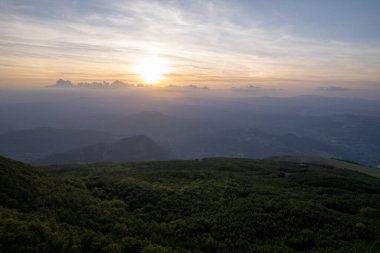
[254,89]
[332,89]
[188,87]
[117,84]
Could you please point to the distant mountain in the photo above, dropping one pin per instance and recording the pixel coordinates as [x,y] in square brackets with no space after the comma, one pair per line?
[31,144]
[255,143]
[154,124]
[172,131]
[197,126]
[315,105]
[357,137]
[135,148]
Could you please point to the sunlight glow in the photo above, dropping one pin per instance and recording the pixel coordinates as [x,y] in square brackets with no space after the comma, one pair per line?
[151,69]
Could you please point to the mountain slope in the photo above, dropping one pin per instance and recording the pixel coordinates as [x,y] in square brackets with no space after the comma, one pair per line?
[135,148]
[330,162]
[208,205]
[20,184]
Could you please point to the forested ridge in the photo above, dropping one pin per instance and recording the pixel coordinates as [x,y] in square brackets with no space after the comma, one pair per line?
[208,205]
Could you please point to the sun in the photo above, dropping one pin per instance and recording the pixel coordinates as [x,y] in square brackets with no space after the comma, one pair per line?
[151,69]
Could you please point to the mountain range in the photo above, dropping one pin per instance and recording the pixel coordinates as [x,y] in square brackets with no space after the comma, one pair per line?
[135,148]
[31,144]
[194,126]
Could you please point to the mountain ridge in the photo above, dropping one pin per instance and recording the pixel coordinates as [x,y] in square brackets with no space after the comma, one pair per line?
[34,143]
[134,148]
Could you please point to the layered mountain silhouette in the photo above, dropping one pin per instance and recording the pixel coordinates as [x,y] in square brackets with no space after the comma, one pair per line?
[254,143]
[35,143]
[228,134]
[135,148]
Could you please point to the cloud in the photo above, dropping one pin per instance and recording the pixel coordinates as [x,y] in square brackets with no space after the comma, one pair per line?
[189,87]
[62,84]
[91,85]
[255,89]
[332,89]
[246,88]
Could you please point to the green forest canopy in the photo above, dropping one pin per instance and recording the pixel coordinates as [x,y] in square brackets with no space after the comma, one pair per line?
[209,205]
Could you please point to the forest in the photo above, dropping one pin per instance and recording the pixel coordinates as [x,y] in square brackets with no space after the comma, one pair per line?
[206,205]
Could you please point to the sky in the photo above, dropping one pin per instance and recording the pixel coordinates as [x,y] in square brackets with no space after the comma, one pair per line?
[266,43]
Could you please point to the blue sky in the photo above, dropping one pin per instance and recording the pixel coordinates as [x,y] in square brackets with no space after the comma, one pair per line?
[345,20]
[214,43]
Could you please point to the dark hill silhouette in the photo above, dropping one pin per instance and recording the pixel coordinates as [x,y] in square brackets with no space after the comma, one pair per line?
[21,185]
[135,148]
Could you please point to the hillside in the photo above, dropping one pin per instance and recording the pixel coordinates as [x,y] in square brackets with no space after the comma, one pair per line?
[341,164]
[209,205]
[21,185]
[135,148]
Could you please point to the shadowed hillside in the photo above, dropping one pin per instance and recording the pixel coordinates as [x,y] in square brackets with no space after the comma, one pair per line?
[209,205]
[342,164]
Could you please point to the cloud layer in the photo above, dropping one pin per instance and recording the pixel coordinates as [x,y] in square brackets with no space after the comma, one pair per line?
[92,85]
